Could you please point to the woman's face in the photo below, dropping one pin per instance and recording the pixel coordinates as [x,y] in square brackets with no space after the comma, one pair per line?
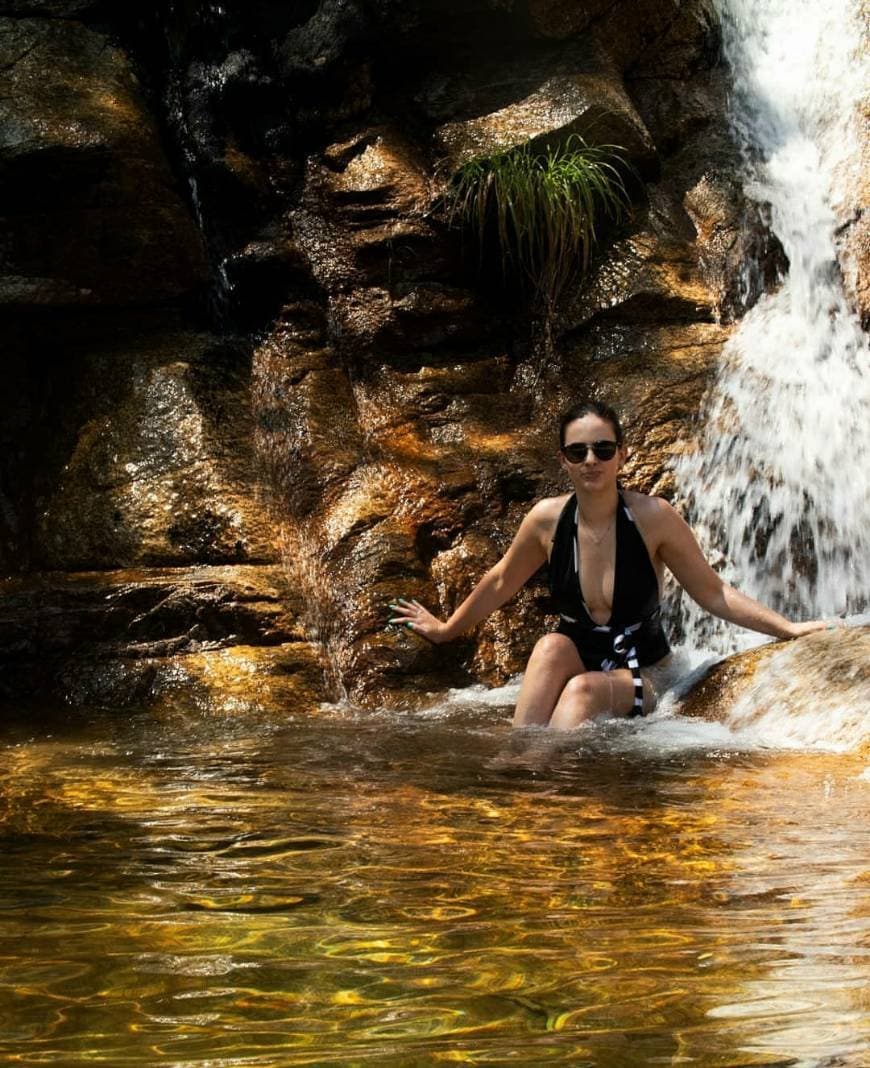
[591,471]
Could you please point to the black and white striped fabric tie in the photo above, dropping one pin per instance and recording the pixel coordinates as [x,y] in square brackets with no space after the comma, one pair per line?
[625,650]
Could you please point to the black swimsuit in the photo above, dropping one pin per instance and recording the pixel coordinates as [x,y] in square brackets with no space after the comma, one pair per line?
[633,636]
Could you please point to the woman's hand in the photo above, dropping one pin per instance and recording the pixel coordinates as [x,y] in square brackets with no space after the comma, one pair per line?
[797,630]
[415,617]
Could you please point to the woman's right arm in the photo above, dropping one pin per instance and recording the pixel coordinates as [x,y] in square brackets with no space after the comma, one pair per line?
[527,552]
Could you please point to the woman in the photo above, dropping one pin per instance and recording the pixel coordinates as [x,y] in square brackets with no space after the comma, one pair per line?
[606,549]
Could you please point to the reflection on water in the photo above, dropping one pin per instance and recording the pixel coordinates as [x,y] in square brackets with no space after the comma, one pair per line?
[408,890]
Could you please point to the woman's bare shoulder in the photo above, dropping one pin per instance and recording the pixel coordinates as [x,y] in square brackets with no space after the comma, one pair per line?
[543,516]
[651,512]
[548,509]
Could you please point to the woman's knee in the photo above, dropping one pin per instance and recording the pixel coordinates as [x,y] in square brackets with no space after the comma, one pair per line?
[553,649]
[582,698]
[580,690]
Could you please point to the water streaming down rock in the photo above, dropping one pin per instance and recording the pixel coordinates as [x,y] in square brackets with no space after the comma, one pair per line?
[176,110]
[779,484]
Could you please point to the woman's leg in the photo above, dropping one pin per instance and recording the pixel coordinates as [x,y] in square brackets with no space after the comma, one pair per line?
[553,662]
[595,693]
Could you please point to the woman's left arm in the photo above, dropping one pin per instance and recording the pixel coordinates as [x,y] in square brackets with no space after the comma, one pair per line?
[679,549]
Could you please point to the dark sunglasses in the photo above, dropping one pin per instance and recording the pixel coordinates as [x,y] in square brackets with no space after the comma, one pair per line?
[576,452]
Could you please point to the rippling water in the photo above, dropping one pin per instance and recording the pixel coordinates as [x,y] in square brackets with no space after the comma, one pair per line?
[408,890]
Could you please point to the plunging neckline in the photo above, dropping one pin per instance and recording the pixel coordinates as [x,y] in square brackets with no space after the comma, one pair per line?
[592,619]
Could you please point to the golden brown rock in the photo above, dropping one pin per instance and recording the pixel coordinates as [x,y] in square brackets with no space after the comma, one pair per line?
[402,406]
[652,270]
[209,638]
[854,237]
[729,236]
[161,469]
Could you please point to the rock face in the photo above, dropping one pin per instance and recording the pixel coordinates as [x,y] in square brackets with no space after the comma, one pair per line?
[96,215]
[219,638]
[244,333]
[405,412]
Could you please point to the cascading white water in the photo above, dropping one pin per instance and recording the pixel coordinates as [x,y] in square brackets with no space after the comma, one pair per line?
[781,483]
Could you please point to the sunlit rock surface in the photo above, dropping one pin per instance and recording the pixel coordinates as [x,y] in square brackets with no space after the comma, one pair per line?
[161,471]
[821,682]
[855,212]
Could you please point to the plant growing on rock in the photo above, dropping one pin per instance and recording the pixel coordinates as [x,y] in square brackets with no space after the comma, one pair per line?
[541,208]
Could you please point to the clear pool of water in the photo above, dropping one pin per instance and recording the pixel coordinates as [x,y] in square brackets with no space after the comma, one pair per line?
[353,888]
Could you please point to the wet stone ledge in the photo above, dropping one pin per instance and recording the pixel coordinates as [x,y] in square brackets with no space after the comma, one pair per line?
[216,638]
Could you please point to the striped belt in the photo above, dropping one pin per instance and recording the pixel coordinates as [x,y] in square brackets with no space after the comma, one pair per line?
[625,655]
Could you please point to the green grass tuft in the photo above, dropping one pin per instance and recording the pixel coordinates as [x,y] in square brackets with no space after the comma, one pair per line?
[541,208]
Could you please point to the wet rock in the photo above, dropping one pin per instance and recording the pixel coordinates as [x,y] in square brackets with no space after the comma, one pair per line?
[336,28]
[307,438]
[48,8]
[327,58]
[160,470]
[654,272]
[376,175]
[854,210]
[401,408]
[739,255]
[638,34]
[825,676]
[855,259]
[88,196]
[543,100]
[216,638]
[566,18]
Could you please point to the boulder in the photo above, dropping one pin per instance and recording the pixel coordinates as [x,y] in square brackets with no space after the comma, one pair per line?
[542,101]
[160,470]
[91,211]
[822,678]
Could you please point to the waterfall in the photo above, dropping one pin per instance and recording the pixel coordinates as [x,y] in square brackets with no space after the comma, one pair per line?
[779,488]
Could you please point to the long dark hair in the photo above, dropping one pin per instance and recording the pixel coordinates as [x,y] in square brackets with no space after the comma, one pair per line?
[592,407]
